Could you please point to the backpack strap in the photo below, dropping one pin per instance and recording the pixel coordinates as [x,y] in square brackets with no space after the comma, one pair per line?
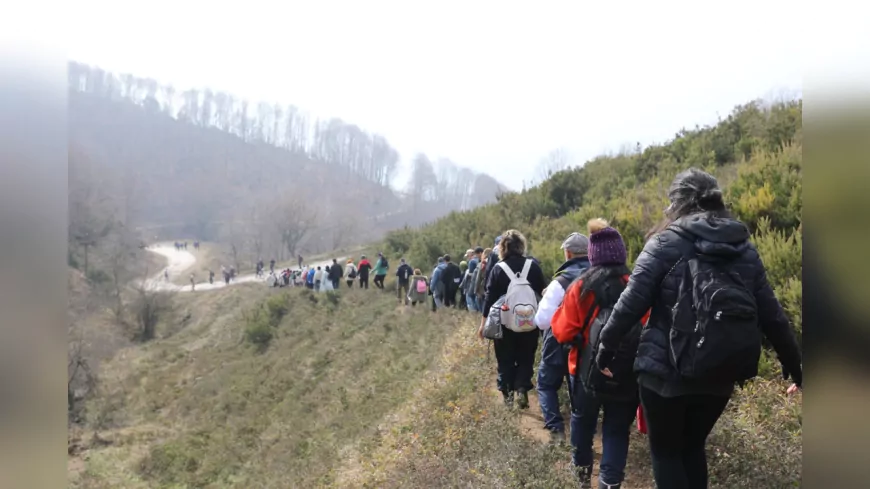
[526,267]
[507,270]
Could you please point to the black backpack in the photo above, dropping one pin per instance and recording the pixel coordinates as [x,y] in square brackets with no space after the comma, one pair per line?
[714,335]
[623,385]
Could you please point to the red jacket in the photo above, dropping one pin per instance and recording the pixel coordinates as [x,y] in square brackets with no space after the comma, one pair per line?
[568,321]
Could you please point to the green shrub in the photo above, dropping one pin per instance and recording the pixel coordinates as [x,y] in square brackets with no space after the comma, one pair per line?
[98,277]
[259,332]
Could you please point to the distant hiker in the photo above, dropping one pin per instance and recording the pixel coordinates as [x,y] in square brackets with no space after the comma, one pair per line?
[335,274]
[480,279]
[419,288]
[450,277]
[309,278]
[471,277]
[318,278]
[232,273]
[732,313]
[272,265]
[364,268]
[520,281]
[403,275]
[553,368]
[463,270]
[325,282]
[260,268]
[166,275]
[436,286]
[192,282]
[350,272]
[185,245]
[380,271]
[211,277]
[286,277]
[299,260]
[491,260]
[226,274]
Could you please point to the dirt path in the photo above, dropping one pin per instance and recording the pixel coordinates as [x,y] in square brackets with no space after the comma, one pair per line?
[179,261]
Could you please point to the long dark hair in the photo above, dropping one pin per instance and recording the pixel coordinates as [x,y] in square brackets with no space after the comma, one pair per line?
[598,279]
[693,191]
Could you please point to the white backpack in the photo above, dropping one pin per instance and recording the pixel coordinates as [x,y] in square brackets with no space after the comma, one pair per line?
[521,303]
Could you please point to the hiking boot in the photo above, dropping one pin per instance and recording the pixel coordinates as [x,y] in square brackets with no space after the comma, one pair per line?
[557,438]
[604,485]
[584,475]
[523,399]
[508,398]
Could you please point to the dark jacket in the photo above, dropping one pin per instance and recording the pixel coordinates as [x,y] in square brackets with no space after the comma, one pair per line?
[404,273]
[450,277]
[490,266]
[335,272]
[498,282]
[654,284]
[364,268]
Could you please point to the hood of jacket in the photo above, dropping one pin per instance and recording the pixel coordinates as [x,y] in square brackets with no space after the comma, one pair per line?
[574,266]
[713,235]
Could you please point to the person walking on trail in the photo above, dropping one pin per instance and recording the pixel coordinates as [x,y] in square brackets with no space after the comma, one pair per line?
[419,288]
[325,282]
[335,273]
[350,272]
[403,275]
[515,351]
[272,265]
[683,388]
[480,278]
[232,273]
[259,272]
[364,268]
[463,272]
[192,282]
[299,261]
[166,274]
[436,286]
[473,263]
[211,277]
[381,267]
[309,278]
[226,274]
[578,321]
[450,277]
[318,278]
[553,368]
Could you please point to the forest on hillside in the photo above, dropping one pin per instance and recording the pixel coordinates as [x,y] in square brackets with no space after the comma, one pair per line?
[755,152]
[267,179]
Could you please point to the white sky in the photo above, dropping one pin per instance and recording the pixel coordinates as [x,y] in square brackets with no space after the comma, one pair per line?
[487,84]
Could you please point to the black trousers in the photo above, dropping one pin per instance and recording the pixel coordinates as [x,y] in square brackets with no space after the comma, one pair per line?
[450,297]
[379,281]
[678,428]
[364,282]
[515,354]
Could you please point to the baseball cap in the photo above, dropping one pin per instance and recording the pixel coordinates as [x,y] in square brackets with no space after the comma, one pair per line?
[576,243]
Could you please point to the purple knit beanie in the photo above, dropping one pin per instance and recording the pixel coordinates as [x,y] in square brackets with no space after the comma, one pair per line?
[606,246]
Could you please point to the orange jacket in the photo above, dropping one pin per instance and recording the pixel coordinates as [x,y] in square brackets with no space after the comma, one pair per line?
[570,317]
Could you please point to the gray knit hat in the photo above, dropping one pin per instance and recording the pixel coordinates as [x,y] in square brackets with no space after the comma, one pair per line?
[577,244]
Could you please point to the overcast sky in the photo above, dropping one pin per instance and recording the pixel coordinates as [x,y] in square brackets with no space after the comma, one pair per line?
[491,86]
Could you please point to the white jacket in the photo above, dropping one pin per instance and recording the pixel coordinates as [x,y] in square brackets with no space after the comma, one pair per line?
[550,302]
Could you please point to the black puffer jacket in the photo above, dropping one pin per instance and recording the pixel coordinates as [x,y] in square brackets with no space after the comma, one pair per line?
[654,284]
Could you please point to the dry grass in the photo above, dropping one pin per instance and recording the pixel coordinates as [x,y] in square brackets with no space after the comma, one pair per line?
[357,392]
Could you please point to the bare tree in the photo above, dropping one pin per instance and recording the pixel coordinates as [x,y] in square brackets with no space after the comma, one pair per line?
[556,161]
[149,306]
[294,220]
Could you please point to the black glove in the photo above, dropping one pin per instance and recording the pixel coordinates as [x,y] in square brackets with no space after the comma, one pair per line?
[603,358]
[796,377]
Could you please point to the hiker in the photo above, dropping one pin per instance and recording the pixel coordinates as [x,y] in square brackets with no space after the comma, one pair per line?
[450,277]
[259,272]
[325,282]
[521,281]
[211,277]
[463,271]
[232,273]
[553,367]
[403,274]
[309,278]
[381,267]
[166,274]
[350,272]
[185,245]
[491,260]
[436,286]
[335,274]
[419,286]
[286,276]
[272,265]
[473,263]
[272,280]
[226,274]
[318,278]
[578,321]
[192,282]
[363,268]
[299,260]
[701,237]
[480,279]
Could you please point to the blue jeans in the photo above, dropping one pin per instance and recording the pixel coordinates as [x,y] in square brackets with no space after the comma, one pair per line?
[471,300]
[618,416]
[551,373]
